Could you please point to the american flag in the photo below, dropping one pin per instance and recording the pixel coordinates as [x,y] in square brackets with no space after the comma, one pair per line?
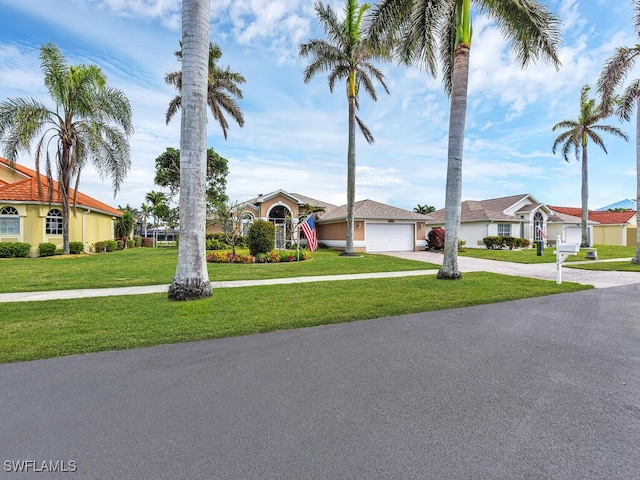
[542,232]
[309,230]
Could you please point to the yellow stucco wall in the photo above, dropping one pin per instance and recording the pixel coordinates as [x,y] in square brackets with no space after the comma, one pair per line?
[87,228]
[632,236]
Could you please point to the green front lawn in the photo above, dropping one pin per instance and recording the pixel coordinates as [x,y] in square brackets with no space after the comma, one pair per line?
[36,330]
[156,266]
[529,255]
[625,266]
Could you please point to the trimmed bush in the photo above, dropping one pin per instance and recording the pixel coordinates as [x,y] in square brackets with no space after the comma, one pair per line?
[137,239]
[112,245]
[46,249]
[435,238]
[499,242]
[261,237]
[59,251]
[131,243]
[14,249]
[76,247]
[147,242]
[213,244]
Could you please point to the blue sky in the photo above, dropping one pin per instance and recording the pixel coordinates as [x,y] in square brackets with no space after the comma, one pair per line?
[295,135]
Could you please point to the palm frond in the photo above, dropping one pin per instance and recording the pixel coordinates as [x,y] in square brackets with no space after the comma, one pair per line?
[365,131]
[532,30]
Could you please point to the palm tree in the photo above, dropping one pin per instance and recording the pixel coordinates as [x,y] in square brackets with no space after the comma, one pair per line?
[424,209]
[146,211]
[222,88]
[157,200]
[90,121]
[613,75]
[429,32]
[347,55]
[576,135]
[191,280]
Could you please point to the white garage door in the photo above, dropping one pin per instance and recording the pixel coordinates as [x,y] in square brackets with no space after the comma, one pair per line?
[573,235]
[389,237]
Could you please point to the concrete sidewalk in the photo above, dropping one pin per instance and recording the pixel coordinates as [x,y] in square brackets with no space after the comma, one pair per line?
[542,271]
[110,292]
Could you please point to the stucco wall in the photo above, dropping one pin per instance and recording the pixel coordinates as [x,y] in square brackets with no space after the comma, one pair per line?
[277,200]
[87,228]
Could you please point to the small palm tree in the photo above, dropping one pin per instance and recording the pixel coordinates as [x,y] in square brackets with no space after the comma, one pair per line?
[222,90]
[347,56]
[575,137]
[428,32]
[424,209]
[612,77]
[146,211]
[158,201]
[90,121]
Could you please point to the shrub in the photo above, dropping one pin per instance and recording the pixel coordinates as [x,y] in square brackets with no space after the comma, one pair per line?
[59,251]
[461,244]
[213,244]
[112,245]
[245,259]
[218,257]
[137,239]
[147,242]
[76,247]
[131,243]
[435,238]
[99,247]
[499,242]
[120,244]
[46,249]
[261,237]
[14,249]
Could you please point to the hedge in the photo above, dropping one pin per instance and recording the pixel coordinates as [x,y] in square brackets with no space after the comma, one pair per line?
[47,249]
[14,249]
[500,242]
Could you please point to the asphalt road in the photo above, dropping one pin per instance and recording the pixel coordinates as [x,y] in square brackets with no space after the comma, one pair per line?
[543,388]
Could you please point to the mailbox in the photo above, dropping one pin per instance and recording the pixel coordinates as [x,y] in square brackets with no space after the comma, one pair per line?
[567,248]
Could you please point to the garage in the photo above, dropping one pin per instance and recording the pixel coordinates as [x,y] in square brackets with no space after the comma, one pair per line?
[389,237]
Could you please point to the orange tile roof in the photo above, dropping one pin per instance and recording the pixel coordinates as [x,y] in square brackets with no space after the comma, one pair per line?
[606,217]
[26,190]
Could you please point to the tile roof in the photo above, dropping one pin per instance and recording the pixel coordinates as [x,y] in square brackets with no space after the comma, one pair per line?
[295,196]
[26,190]
[370,209]
[604,218]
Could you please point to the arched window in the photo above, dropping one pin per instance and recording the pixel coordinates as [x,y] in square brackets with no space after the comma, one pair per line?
[247,220]
[538,226]
[9,221]
[54,222]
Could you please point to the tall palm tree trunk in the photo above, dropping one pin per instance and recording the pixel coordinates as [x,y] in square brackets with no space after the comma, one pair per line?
[457,118]
[191,280]
[585,196]
[63,193]
[636,259]
[351,175]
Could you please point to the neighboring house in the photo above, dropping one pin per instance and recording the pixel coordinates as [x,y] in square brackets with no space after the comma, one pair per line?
[606,228]
[517,216]
[26,216]
[377,226]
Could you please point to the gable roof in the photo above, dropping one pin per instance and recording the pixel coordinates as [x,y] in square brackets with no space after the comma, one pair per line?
[25,190]
[299,199]
[370,209]
[490,209]
[604,218]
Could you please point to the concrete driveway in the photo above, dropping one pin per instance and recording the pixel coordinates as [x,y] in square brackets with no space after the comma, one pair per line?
[543,271]
[543,388]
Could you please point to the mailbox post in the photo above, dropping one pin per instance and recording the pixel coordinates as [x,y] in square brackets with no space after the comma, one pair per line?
[563,250]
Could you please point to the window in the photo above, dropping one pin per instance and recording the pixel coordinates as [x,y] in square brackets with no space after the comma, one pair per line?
[54,222]
[247,220]
[9,221]
[504,230]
